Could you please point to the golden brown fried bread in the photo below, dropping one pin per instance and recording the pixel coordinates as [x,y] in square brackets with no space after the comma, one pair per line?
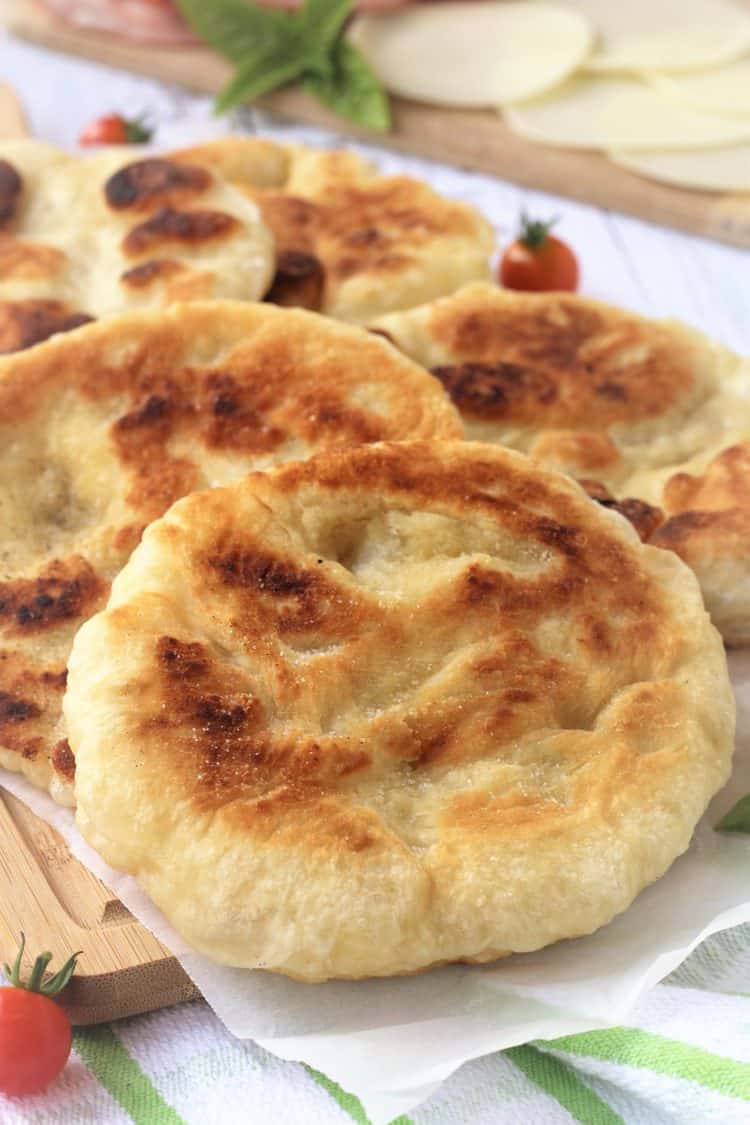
[612,398]
[398,705]
[350,243]
[102,429]
[81,238]
[709,527]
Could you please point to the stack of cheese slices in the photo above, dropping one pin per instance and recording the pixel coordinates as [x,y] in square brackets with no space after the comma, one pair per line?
[363,646]
[663,88]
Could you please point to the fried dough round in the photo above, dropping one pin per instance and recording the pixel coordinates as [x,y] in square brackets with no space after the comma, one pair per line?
[350,243]
[102,429]
[82,238]
[613,399]
[708,525]
[398,705]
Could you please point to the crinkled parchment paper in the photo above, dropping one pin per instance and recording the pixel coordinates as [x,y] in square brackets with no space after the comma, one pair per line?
[391,1042]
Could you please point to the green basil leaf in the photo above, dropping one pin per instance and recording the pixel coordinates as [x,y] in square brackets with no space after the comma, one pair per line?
[322,21]
[272,48]
[737,819]
[237,29]
[351,89]
[259,75]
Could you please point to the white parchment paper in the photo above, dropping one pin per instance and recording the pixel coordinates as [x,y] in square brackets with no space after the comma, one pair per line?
[391,1042]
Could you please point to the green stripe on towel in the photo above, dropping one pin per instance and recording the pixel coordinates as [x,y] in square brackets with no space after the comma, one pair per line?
[647,1051]
[563,1084]
[104,1055]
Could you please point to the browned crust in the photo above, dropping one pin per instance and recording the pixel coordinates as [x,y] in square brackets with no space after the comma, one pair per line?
[63,761]
[226,727]
[28,322]
[30,699]
[557,361]
[28,261]
[67,589]
[376,228]
[644,517]
[148,273]
[213,730]
[11,186]
[277,378]
[724,484]
[168,227]
[155,182]
[709,512]
[704,534]
[299,281]
[493,390]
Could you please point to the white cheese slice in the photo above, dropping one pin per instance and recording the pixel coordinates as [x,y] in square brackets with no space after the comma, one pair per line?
[666,35]
[724,89]
[589,111]
[715,169]
[473,54]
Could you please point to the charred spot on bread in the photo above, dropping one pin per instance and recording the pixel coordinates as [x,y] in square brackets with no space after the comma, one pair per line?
[16,710]
[27,322]
[645,518]
[157,269]
[11,186]
[63,760]
[65,590]
[168,226]
[491,389]
[155,182]
[298,282]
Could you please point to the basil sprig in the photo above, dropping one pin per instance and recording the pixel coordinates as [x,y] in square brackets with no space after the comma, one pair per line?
[737,819]
[272,48]
[351,89]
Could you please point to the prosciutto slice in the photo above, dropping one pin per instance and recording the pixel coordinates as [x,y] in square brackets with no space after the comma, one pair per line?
[151,21]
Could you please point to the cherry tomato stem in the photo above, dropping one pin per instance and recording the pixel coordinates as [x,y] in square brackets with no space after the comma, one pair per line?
[538,261]
[114,129]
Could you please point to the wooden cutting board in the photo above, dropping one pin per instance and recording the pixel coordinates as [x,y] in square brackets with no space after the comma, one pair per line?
[468,138]
[57,902]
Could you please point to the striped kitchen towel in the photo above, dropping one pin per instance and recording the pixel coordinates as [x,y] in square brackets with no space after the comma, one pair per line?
[684,1059]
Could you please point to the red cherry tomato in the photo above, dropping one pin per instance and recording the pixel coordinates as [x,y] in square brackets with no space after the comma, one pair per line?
[538,262]
[34,1041]
[114,129]
[35,1032]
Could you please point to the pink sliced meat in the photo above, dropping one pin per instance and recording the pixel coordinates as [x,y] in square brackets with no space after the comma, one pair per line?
[149,21]
[153,21]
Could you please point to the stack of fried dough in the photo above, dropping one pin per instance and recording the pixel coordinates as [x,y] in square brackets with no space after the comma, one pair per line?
[363,646]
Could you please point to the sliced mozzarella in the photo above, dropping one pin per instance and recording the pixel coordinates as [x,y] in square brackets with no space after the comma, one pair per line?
[724,89]
[668,35]
[473,54]
[589,111]
[715,169]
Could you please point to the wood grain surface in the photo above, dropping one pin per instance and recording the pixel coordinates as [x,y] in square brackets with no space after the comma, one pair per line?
[468,138]
[60,906]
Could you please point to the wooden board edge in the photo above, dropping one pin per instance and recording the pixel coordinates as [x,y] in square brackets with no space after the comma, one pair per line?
[47,893]
[128,992]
